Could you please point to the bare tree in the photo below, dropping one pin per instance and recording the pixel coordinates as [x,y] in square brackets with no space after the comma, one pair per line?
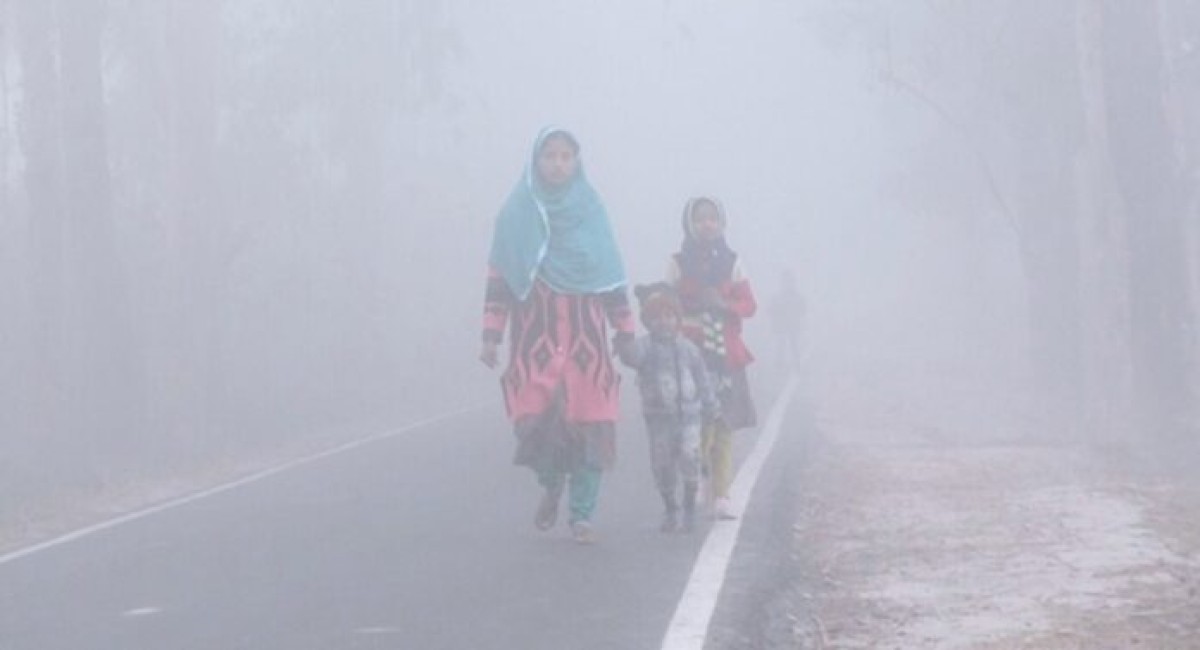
[104,387]
[1013,108]
[38,133]
[6,33]
[1103,253]
[1154,188]
[1081,121]
[195,219]
[1180,22]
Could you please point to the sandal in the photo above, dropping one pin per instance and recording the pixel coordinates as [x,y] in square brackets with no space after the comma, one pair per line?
[547,512]
[582,532]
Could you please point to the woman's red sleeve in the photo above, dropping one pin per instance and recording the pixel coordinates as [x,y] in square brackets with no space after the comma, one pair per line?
[497,303]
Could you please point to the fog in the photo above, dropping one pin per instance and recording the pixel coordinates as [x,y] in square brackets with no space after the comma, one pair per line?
[236,229]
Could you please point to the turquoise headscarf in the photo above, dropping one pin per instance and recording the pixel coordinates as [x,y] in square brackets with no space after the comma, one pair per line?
[561,235]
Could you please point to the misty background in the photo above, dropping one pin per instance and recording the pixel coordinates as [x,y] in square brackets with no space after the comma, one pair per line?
[232,228]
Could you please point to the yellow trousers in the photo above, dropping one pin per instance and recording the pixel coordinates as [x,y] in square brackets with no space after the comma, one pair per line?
[716,443]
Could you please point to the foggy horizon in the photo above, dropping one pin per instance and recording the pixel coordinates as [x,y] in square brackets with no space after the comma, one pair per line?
[236,232]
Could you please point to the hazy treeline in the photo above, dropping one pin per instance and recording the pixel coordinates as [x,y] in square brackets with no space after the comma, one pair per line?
[225,221]
[1077,124]
[197,198]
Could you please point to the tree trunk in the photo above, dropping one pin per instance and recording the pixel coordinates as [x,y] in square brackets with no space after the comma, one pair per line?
[1050,254]
[197,229]
[1180,22]
[1103,258]
[1151,184]
[37,119]
[6,139]
[12,305]
[104,386]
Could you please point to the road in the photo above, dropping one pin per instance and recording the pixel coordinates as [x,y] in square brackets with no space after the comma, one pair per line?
[421,540]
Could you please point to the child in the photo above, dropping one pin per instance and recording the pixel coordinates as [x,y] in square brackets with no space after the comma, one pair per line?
[716,297]
[677,399]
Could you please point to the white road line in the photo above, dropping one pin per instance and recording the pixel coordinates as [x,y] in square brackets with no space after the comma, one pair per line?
[141,612]
[379,630]
[226,487]
[689,627]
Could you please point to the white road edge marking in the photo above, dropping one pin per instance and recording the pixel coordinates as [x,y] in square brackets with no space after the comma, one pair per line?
[141,611]
[378,630]
[226,487]
[688,629]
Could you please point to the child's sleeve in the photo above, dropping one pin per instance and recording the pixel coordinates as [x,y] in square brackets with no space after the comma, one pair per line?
[497,304]
[739,297]
[634,354]
[620,316]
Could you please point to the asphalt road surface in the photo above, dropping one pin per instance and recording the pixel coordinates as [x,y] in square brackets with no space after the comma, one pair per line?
[422,540]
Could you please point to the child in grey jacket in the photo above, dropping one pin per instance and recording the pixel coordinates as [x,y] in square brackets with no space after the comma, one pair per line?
[677,400]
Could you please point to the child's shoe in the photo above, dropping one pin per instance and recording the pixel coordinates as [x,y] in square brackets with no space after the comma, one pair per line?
[669,521]
[689,521]
[722,509]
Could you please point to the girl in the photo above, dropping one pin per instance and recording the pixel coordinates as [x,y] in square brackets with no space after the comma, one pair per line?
[716,297]
[557,281]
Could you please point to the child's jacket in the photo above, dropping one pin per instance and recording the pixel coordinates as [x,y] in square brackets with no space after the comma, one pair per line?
[672,378]
[700,324]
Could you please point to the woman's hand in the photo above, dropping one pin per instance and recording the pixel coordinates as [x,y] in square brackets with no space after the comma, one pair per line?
[488,354]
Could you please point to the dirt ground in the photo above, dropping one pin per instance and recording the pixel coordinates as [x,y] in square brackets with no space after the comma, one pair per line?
[908,537]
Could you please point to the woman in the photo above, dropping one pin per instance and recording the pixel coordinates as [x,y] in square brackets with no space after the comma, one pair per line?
[556,280]
[716,298]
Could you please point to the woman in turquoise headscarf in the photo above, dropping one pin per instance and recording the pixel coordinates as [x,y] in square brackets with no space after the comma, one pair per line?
[556,281]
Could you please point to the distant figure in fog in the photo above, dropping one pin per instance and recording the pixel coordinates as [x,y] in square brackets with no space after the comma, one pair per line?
[788,313]
[557,281]
[716,298]
[677,401]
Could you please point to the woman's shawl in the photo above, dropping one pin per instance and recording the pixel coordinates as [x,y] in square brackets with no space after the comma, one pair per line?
[561,235]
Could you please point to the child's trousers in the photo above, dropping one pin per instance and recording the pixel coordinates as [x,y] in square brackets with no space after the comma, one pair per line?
[674,453]
[718,449]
